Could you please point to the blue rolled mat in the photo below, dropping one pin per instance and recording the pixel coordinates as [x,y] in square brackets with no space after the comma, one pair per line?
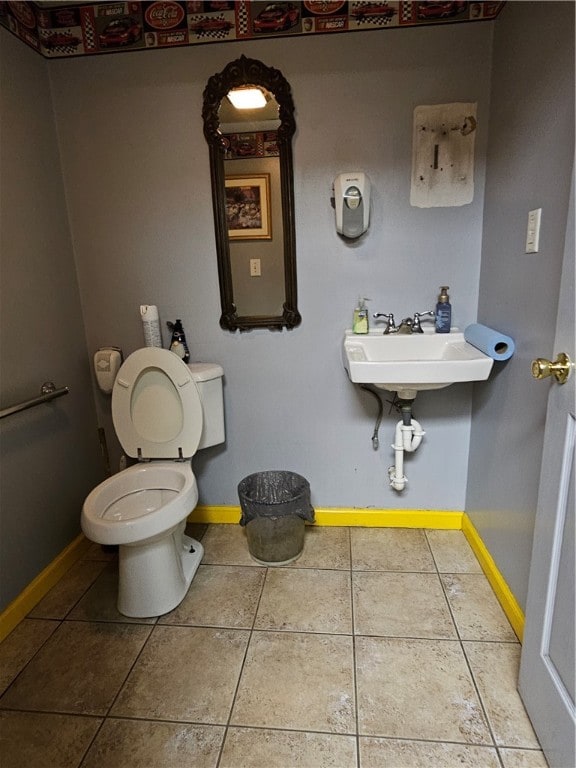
[496,345]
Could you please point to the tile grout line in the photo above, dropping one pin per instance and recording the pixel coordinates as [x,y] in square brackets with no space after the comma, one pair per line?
[354,658]
[59,619]
[461,644]
[106,716]
[228,721]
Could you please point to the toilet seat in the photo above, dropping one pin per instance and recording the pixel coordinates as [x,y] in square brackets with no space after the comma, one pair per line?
[156,407]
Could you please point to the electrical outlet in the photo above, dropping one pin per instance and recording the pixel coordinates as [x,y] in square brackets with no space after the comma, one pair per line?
[533,231]
[255,268]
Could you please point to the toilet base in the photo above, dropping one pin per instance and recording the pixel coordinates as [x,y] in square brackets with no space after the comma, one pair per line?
[154,576]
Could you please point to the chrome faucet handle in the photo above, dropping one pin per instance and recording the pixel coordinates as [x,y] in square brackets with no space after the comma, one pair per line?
[390,325]
[416,325]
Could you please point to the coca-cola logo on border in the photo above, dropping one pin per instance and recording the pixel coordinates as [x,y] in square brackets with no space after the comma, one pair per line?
[164,15]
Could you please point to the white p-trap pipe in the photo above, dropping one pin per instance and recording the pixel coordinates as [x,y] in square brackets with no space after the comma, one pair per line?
[406,438]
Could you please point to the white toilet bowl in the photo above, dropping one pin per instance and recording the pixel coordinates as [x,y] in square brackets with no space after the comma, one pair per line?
[140,502]
[144,510]
[158,410]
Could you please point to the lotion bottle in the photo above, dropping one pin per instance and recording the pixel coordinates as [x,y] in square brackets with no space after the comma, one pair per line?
[443,311]
[360,322]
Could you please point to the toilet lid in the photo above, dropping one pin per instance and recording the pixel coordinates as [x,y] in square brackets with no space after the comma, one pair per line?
[156,407]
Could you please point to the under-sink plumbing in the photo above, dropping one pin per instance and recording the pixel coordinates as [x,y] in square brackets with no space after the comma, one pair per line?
[407,437]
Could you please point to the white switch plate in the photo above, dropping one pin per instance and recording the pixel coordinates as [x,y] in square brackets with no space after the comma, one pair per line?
[533,231]
[255,268]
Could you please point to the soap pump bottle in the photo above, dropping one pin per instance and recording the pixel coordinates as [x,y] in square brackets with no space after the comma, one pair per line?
[443,311]
[360,322]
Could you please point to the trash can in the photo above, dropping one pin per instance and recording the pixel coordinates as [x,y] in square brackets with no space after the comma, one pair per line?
[275,506]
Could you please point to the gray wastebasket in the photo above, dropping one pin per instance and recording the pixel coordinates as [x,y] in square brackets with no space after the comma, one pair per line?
[275,506]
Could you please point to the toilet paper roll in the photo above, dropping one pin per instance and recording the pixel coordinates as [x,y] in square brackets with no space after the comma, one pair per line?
[496,345]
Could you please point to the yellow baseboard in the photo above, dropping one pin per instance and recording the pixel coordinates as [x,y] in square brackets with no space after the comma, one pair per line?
[509,604]
[376,518]
[46,579]
[215,515]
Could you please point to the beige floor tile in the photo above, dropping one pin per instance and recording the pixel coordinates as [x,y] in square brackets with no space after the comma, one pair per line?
[19,647]
[476,610]
[452,552]
[261,748]
[100,601]
[325,547]
[64,596]
[417,689]
[44,740]
[185,673]
[395,753]
[390,549]
[144,744]
[523,758]
[297,681]
[401,605]
[226,545]
[306,600]
[220,596]
[495,668]
[79,669]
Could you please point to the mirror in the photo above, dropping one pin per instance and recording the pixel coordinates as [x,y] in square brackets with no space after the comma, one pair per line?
[253,197]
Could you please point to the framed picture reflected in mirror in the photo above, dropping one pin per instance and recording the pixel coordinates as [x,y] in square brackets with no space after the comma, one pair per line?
[248,207]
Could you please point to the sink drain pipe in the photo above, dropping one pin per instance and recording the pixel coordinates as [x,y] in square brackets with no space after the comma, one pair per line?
[407,437]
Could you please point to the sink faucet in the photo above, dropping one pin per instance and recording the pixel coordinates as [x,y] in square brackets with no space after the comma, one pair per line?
[390,325]
[416,326]
[408,326]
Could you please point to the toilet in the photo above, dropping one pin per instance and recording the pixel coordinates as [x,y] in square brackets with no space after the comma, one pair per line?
[163,410]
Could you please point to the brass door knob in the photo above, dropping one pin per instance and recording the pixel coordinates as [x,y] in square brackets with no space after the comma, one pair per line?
[560,368]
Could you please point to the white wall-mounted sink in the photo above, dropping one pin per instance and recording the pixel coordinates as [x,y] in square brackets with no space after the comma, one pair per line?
[406,364]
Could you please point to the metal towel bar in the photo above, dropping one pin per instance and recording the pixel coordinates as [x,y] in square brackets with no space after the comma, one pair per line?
[48,392]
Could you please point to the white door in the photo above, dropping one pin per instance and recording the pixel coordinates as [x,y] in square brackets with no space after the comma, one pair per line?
[547,669]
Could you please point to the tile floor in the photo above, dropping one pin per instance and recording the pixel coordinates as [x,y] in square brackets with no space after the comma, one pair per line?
[377,648]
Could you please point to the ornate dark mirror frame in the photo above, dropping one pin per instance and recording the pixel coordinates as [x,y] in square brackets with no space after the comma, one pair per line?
[246,71]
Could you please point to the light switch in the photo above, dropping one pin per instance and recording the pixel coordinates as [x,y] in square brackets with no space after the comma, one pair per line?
[255,268]
[533,231]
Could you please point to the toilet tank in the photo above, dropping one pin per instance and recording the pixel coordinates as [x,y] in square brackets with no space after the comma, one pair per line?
[208,379]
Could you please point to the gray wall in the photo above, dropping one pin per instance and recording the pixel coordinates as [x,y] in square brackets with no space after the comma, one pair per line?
[530,162]
[49,455]
[135,170]
[137,177]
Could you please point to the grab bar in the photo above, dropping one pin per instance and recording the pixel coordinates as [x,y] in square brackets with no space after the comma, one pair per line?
[48,392]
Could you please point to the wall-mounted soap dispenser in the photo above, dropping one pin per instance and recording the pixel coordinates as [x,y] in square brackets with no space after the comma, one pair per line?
[352,203]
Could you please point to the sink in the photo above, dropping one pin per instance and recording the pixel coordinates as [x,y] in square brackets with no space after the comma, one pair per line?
[406,364]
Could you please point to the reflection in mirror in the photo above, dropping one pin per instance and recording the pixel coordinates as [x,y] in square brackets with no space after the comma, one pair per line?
[252,195]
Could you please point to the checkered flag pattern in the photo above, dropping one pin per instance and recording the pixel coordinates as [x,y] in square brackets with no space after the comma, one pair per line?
[405,12]
[242,19]
[89,29]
